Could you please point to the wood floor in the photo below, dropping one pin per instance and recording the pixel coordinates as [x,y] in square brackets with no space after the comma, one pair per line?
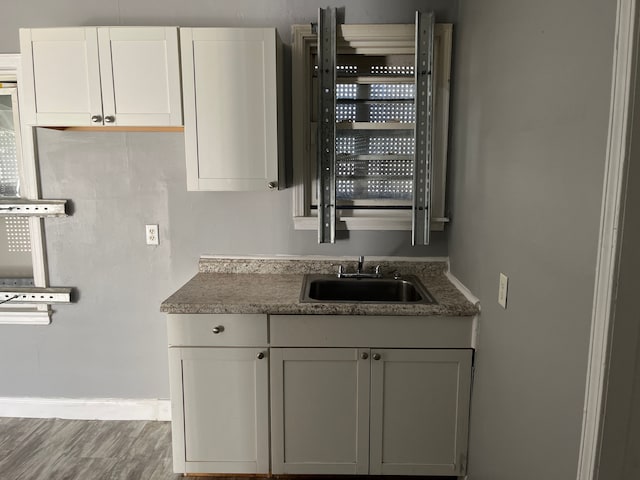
[54,449]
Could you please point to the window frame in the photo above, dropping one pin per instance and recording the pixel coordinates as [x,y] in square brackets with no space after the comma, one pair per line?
[26,314]
[384,39]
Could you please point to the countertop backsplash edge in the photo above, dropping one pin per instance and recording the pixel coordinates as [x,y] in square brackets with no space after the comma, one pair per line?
[319,264]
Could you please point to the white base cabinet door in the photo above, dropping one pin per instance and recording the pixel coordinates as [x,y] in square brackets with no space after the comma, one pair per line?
[220,409]
[101,76]
[370,411]
[419,411]
[320,411]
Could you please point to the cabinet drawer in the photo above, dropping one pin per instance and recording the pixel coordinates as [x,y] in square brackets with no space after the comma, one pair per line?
[217,330]
[371,331]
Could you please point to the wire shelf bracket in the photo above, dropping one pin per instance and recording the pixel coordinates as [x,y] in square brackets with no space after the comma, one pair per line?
[15,207]
[34,295]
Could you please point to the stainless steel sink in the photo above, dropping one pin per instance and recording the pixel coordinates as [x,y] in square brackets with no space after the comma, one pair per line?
[330,288]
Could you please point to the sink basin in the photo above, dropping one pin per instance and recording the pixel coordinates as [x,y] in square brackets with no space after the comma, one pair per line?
[330,288]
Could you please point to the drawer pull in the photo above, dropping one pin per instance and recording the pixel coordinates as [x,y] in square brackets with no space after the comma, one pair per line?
[218,329]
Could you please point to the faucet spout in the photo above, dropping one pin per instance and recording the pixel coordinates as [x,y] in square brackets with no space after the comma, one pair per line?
[359,273]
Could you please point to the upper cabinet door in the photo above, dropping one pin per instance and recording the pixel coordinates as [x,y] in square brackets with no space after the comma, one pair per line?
[140,73]
[101,76]
[61,75]
[231,107]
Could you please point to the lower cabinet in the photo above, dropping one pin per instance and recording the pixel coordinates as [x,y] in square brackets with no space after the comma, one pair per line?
[220,410]
[370,411]
[243,386]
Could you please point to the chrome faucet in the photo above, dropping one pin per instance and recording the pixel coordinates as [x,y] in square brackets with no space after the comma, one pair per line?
[359,273]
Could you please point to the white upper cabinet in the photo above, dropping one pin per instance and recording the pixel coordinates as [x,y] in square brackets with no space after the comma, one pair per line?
[84,76]
[231,107]
[140,73]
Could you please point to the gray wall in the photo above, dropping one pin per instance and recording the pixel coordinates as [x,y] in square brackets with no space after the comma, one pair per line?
[532,89]
[111,343]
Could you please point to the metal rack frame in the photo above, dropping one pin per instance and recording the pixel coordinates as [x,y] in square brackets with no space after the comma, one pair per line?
[327,125]
[423,129]
[423,162]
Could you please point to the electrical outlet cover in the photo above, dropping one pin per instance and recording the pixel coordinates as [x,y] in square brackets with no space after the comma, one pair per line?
[152,234]
[502,290]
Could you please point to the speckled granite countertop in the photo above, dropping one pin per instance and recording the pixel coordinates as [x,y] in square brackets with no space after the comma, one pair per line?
[272,286]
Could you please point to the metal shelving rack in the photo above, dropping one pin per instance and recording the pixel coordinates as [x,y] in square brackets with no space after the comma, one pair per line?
[14,204]
[374,129]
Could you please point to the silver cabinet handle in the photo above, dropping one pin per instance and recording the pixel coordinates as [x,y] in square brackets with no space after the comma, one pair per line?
[96,118]
[376,356]
[364,355]
[260,356]
[218,329]
[109,119]
[272,185]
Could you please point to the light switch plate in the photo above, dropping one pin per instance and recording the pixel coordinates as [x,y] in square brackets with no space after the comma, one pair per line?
[502,290]
[152,234]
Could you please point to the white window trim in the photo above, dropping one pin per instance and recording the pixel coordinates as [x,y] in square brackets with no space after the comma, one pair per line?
[25,314]
[381,38]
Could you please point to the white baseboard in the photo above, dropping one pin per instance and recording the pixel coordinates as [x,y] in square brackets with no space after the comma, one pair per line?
[86,408]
